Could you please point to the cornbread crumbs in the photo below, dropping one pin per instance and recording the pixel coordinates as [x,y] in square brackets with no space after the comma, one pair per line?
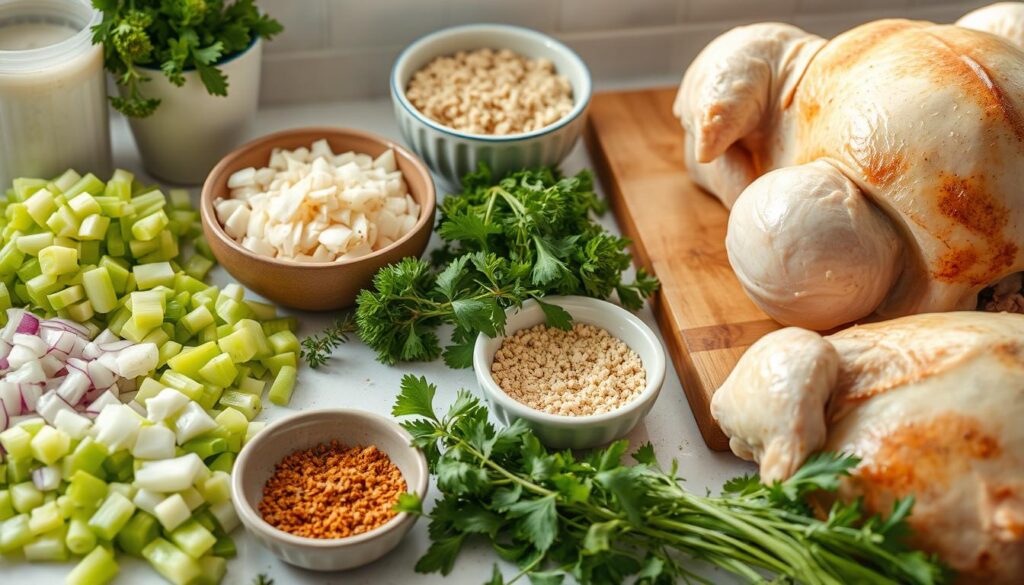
[579,372]
[332,491]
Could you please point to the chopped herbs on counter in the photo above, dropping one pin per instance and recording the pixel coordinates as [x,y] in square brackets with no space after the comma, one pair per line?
[317,349]
[529,235]
[600,521]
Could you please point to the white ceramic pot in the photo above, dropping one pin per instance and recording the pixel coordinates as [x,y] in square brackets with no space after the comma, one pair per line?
[192,130]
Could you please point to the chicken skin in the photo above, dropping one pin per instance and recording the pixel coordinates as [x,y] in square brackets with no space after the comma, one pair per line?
[933,404]
[873,175]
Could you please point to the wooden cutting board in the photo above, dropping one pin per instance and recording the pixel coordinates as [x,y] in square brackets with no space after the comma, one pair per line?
[678,232]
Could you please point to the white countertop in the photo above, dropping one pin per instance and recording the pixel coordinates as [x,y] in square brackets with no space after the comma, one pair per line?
[354,379]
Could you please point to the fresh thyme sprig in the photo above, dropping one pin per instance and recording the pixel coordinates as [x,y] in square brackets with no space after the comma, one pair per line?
[262,579]
[317,349]
[602,522]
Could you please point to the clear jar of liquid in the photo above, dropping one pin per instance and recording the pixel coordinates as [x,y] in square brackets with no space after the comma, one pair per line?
[53,98]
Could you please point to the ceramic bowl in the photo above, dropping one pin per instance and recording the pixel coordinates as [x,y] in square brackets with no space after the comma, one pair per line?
[576,432]
[313,286]
[451,153]
[256,462]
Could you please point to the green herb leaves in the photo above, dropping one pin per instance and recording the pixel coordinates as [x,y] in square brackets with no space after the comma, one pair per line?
[594,518]
[528,236]
[317,349]
[174,35]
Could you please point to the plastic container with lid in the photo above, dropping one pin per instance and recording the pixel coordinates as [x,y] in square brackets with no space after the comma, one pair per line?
[53,98]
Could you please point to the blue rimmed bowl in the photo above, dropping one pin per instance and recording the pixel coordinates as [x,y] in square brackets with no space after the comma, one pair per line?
[450,153]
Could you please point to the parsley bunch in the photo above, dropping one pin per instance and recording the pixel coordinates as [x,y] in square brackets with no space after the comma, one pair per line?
[174,35]
[529,235]
[554,514]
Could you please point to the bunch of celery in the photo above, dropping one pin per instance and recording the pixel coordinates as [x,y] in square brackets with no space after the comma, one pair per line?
[155,486]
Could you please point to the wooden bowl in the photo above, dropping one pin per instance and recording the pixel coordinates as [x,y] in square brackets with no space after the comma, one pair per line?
[314,286]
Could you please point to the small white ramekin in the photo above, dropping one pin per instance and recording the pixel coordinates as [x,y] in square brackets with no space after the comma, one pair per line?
[449,153]
[350,427]
[576,432]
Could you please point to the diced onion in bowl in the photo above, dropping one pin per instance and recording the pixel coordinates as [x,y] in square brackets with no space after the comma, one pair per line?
[311,205]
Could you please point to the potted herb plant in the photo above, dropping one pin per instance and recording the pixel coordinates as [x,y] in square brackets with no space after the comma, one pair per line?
[188,76]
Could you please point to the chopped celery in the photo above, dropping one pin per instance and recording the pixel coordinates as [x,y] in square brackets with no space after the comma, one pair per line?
[252,386]
[225,547]
[149,227]
[84,205]
[32,244]
[188,386]
[47,547]
[214,569]
[81,312]
[225,514]
[172,512]
[168,350]
[276,362]
[25,496]
[192,359]
[205,446]
[223,462]
[6,508]
[49,445]
[99,290]
[40,206]
[140,531]
[14,533]
[112,515]
[240,345]
[57,260]
[200,318]
[232,421]
[216,488]
[198,266]
[45,518]
[17,442]
[88,184]
[247,404]
[284,342]
[151,275]
[219,371]
[193,539]
[66,297]
[94,227]
[281,390]
[88,456]
[80,539]
[168,560]
[96,568]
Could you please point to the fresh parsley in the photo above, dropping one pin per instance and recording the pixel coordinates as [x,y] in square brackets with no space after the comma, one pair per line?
[174,35]
[317,349]
[529,235]
[555,514]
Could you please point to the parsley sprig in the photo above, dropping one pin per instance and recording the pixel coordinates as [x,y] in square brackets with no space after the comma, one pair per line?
[600,521]
[529,235]
[317,349]
[174,35]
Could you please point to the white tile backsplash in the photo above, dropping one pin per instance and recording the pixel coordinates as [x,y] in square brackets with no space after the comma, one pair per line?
[305,27]
[578,15]
[359,24]
[343,49]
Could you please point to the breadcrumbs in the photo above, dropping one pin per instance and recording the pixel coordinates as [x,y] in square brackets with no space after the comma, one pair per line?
[579,372]
[491,92]
[331,491]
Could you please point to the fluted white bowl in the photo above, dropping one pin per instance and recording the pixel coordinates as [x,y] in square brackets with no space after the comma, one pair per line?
[576,432]
[450,153]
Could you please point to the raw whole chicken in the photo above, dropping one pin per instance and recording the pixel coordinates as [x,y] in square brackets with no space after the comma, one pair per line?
[877,174]
[933,405]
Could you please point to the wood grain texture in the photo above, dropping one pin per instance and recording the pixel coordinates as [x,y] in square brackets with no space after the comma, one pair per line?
[678,232]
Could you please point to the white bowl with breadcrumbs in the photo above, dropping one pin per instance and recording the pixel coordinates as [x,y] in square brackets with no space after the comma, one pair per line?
[452,153]
[576,432]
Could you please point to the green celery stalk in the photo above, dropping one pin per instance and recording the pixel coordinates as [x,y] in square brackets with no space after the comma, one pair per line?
[88,456]
[14,533]
[149,227]
[183,383]
[197,320]
[284,383]
[80,539]
[248,404]
[205,446]
[96,568]
[142,529]
[17,442]
[47,547]
[284,342]
[252,386]
[112,515]
[94,227]
[223,462]
[225,547]
[155,274]
[19,469]
[214,569]
[191,360]
[83,205]
[34,243]
[25,496]
[45,518]
[119,466]
[99,290]
[216,488]
[168,560]
[193,539]
[6,507]
[86,491]
[89,184]
[198,266]
[219,371]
